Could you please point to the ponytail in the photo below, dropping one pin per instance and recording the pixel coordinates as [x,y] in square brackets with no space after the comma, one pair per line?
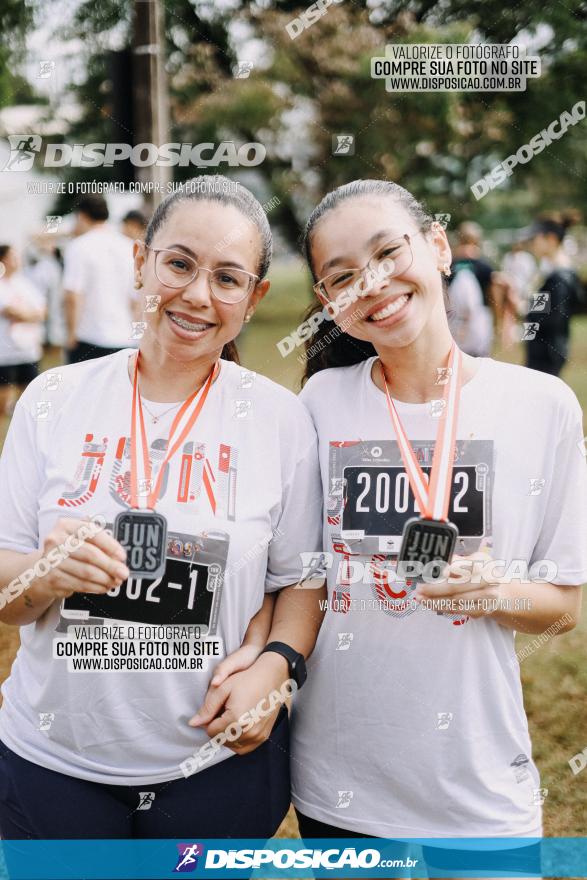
[230,352]
[556,223]
[569,217]
[332,347]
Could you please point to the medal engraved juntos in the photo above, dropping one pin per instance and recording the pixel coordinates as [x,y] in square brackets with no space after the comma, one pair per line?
[143,534]
[426,541]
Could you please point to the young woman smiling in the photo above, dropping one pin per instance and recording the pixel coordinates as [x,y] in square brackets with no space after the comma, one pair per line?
[412,723]
[230,459]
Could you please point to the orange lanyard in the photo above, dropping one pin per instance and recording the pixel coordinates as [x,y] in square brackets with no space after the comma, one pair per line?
[172,448]
[433,498]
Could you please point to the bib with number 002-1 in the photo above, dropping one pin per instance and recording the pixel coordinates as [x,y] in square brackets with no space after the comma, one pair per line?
[187,593]
[370,498]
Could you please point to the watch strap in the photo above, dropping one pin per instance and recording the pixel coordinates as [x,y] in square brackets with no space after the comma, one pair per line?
[295,660]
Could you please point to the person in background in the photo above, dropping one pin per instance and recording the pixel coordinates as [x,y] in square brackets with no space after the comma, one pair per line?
[134,225]
[22,312]
[98,285]
[497,290]
[46,273]
[520,266]
[470,321]
[547,325]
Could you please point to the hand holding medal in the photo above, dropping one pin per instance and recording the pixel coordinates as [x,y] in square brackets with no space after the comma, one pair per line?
[467,586]
[142,531]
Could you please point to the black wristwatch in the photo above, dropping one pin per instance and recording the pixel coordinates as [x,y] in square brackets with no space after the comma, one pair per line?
[295,661]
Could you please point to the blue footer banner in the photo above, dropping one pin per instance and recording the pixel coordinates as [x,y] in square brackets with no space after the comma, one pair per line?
[291,858]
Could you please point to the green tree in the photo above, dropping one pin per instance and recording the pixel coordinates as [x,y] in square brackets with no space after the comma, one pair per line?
[16,18]
[303,91]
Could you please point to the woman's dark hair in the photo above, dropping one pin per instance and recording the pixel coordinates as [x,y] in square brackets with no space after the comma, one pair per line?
[217,188]
[556,224]
[4,250]
[330,346]
[135,217]
[93,206]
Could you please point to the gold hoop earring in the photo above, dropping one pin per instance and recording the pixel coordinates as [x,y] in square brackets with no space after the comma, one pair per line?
[138,284]
[446,270]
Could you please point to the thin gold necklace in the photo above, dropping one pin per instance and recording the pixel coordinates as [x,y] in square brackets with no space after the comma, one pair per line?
[154,418]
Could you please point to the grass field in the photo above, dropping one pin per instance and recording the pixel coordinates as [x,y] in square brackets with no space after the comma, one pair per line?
[554,676]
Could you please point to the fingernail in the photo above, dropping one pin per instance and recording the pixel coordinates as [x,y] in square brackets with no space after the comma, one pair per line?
[194,720]
[122,572]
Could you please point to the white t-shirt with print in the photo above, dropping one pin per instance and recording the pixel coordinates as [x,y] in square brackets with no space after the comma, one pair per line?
[242,500]
[411,723]
[99,269]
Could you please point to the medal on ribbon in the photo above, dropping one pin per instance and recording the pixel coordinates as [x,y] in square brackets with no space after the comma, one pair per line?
[142,531]
[429,540]
[143,534]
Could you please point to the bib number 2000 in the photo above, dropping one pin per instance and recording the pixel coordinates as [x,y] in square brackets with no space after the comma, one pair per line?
[379,500]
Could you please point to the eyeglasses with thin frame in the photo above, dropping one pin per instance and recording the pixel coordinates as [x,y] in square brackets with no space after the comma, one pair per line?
[397,253]
[176,269]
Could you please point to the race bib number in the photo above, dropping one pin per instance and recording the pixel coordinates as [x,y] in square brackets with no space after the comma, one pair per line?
[370,499]
[187,593]
[379,501]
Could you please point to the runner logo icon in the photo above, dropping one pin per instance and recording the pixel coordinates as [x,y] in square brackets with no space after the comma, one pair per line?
[188,856]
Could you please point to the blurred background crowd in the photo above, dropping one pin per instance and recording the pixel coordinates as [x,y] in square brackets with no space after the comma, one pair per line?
[68,294]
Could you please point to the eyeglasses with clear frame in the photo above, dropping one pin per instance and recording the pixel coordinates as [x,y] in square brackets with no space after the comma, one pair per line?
[176,269]
[389,259]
